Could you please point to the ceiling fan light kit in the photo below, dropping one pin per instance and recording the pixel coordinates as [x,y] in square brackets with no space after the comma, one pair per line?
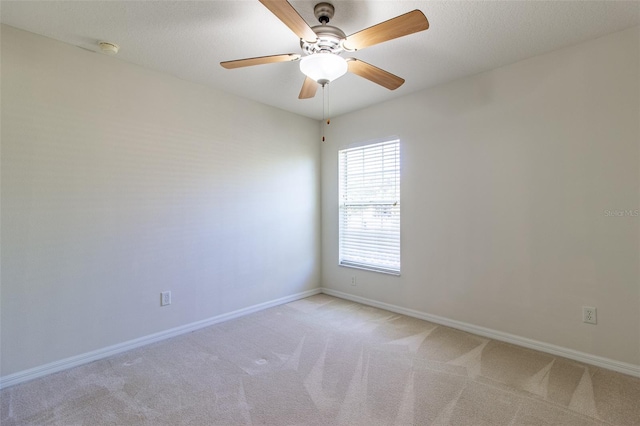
[323,68]
[323,44]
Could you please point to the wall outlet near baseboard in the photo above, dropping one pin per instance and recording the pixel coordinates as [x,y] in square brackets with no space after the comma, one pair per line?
[165,298]
[589,315]
[354,281]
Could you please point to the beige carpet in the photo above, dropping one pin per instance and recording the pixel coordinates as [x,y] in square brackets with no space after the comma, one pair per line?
[326,361]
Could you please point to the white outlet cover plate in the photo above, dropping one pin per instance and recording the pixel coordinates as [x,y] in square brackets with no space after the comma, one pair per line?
[165,298]
[589,315]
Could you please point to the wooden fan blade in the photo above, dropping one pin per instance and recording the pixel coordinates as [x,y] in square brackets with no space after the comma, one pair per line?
[309,88]
[239,63]
[399,26]
[375,74]
[290,17]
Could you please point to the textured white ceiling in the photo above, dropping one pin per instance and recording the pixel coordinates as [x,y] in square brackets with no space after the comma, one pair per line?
[189,39]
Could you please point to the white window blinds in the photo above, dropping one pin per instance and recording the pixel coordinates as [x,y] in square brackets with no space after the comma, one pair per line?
[369,179]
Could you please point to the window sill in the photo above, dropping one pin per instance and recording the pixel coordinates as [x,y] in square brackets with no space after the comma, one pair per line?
[370,268]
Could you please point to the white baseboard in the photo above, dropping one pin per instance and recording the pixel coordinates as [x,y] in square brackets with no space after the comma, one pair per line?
[74,361]
[64,364]
[622,367]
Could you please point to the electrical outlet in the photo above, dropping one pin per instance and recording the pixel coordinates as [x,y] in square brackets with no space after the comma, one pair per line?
[589,315]
[354,282]
[165,298]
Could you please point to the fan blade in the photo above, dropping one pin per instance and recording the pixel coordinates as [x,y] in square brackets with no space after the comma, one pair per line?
[309,88]
[375,74]
[239,63]
[290,17]
[399,26]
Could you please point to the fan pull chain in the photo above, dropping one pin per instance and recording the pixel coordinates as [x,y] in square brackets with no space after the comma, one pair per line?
[325,108]
[328,108]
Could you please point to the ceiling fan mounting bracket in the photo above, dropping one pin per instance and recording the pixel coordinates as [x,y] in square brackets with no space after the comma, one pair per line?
[324,12]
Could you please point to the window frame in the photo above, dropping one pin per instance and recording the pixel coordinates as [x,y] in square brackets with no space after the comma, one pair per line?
[386,236]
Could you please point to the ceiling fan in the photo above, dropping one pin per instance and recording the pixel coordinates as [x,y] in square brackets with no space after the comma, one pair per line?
[323,44]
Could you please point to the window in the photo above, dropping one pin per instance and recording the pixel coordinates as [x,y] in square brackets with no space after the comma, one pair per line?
[369,179]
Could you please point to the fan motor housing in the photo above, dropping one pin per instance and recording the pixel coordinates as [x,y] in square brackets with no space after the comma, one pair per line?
[329,40]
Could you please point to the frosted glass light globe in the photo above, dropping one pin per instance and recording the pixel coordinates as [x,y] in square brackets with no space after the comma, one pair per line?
[323,67]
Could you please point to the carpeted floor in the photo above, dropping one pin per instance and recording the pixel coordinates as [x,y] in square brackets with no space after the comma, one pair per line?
[327,361]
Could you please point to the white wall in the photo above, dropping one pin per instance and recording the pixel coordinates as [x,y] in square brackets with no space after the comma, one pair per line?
[506,177]
[119,183]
